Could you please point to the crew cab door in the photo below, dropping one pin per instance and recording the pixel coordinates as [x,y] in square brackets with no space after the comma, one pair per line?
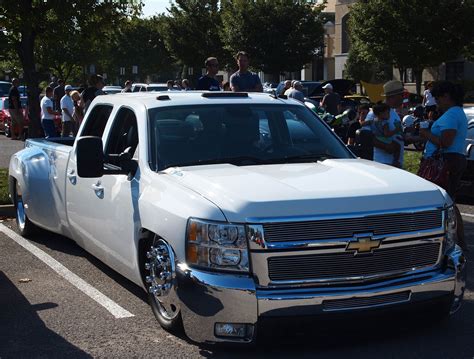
[102,210]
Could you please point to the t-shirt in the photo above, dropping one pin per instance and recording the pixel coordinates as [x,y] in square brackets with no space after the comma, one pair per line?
[67,102]
[385,157]
[58,94]
[296,94]
[429,99]
[45,103]
[208,83]
[453,119]
[331,101]
[246,81]
[14,93]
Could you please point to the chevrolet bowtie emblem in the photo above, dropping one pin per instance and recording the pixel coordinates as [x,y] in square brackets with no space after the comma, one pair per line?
[363,245]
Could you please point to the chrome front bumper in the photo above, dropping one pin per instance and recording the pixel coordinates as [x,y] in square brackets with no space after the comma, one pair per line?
[209,298]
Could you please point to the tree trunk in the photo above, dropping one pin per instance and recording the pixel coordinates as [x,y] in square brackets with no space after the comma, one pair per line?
[418,79]
[26,54]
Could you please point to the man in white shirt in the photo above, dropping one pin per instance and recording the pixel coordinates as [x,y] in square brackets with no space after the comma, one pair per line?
[47,114]
[67,107]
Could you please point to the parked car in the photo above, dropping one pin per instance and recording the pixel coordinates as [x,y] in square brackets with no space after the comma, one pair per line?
[141,87]
[5,88]
[232,208]
[468,177]
[112,89]
[5,119]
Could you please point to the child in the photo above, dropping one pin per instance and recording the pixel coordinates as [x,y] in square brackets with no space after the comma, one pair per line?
[382,133]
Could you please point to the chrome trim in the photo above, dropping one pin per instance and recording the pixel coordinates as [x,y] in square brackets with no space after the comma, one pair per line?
[208,298]
[262,220]
[260,263]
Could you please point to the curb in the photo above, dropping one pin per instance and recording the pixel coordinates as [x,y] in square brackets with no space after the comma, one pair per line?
[7,210]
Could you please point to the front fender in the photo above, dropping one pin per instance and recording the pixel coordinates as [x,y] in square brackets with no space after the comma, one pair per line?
[31,168]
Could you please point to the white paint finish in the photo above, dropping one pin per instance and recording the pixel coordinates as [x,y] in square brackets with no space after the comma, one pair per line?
[116,310]
[324,188]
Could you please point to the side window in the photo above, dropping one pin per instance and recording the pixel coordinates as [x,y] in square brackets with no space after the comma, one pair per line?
[124,133]
[97,120]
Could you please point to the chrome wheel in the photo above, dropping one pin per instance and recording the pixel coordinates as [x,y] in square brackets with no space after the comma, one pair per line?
[20,208]
[161,279]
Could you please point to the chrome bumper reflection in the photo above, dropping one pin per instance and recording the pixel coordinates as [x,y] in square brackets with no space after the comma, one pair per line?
[210,298]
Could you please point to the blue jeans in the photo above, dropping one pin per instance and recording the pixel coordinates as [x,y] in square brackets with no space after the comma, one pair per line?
[48,128]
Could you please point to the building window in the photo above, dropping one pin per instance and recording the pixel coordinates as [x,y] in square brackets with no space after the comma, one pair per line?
[345,41]
[454,71]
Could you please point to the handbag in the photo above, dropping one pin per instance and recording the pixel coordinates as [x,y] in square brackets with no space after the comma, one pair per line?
[435,169]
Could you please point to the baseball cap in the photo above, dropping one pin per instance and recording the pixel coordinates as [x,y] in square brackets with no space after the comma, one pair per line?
[67,88]
[327,86]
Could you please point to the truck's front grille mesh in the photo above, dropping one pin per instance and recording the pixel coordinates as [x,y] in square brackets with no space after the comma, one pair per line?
[347,227]
[346,265]
[354,303]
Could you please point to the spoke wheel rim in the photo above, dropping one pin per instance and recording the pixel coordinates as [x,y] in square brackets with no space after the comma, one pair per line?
[20,208]
[161,278]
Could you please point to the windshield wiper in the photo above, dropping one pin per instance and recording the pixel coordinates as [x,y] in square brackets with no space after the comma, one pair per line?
[312,157]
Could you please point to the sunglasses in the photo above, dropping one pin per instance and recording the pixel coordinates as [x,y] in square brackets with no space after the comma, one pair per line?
[214,65]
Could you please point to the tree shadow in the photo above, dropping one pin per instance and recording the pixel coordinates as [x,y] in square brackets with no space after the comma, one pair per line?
[23,333]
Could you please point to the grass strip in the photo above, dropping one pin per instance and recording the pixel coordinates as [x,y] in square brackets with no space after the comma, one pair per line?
[4,199]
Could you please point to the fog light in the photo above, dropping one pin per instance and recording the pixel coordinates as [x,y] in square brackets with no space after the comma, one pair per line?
[236,330]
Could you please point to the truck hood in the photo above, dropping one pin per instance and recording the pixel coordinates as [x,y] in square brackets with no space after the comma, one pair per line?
[331,187]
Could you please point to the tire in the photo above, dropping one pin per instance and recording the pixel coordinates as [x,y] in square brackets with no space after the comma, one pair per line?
[24,224]
[158,260]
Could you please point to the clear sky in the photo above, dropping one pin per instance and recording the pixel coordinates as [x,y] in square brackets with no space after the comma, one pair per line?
[154,6]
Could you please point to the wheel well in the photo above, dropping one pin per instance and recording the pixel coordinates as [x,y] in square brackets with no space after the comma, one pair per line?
[12,188]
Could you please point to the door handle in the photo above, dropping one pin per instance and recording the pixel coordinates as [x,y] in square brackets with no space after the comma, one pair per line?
[72,177]
[98,189]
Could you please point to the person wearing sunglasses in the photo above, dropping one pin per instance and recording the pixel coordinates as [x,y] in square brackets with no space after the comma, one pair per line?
[208,81]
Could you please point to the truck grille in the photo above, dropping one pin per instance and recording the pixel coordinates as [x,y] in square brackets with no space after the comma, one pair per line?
[360,302]
[346,265]
[347,227]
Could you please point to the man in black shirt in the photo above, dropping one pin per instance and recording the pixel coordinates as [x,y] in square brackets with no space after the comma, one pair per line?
[58,93]
[208,81]
[16,113]
[331,100]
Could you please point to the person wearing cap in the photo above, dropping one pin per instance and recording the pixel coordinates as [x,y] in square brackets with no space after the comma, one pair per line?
[297,92]
[67,108]
[393,93]
[331,101]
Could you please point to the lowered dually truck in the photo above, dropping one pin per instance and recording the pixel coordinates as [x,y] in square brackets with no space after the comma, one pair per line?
[232,208]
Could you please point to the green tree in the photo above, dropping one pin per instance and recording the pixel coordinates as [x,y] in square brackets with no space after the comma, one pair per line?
[191,32]
[279,35]
[26,23]
[358,69]
[147,50]
[410,33]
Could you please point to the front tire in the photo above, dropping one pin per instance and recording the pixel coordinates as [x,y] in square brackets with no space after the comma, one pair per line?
[160,281]
[25,226]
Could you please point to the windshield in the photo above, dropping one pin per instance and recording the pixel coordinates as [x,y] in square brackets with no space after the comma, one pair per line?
[240,135]
[157,88]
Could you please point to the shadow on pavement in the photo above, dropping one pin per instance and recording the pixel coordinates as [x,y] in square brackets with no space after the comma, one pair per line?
[23,333]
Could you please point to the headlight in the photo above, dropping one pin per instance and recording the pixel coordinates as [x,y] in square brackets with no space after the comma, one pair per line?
[216,245]
[450,228]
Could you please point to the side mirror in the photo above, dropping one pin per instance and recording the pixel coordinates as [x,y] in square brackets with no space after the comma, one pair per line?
[90,157]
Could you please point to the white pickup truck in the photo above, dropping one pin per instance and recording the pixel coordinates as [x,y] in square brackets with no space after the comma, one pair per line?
[233,208]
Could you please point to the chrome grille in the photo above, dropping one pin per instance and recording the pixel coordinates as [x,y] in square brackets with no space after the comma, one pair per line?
[346,265]
[347,227]
[358,302]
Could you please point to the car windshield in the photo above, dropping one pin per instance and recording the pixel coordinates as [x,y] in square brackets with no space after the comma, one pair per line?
[240,135]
